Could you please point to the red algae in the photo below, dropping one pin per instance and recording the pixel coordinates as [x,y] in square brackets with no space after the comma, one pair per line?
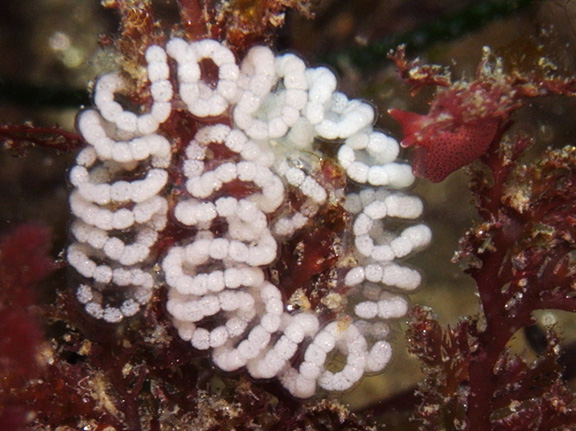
[24,262]
[139,375]
[466,116]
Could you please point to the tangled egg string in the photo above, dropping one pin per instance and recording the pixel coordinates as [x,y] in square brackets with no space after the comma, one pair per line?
[286,196]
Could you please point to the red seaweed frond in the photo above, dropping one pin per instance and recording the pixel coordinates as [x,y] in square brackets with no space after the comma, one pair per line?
[525,396]
[522,259]
[24,262]
[417,74]
[138,30]
[445,355]
[20,136]
[243,23]
[529,231]
[466,116]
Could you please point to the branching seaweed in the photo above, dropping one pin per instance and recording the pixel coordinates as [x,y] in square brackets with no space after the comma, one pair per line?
[521,257]
[62,369]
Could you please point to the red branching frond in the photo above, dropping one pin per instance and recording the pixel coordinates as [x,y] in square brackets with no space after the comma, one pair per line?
[138,30]
[24,262]
[242,23]
[533,397]
[466,116]
[529,229]
[521,257]
[446,355]
[20,136]
[418,74]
